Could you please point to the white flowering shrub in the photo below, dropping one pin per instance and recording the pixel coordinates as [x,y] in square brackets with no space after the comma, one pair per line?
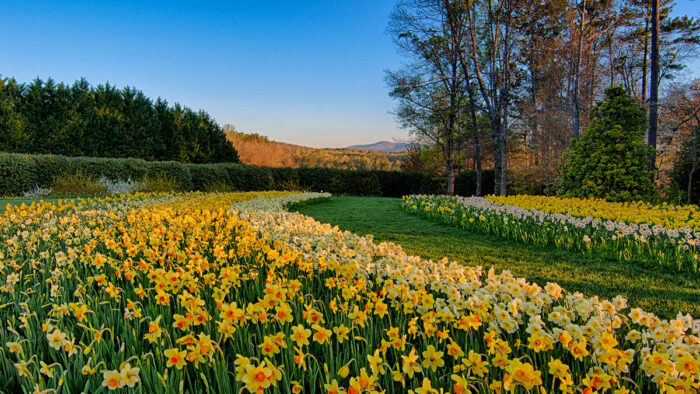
[37,192]
[119,186]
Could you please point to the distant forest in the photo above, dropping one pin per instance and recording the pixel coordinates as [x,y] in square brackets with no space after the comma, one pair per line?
[510,85]
[103,121]
[256,149]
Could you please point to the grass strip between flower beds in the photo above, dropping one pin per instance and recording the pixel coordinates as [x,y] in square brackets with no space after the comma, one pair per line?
[669,249]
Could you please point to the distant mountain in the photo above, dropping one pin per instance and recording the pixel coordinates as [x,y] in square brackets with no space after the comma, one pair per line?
[259,150]
[382,146]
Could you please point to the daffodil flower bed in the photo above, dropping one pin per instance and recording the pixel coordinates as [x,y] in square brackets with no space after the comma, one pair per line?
[213,293]
[675,249]
[668,216]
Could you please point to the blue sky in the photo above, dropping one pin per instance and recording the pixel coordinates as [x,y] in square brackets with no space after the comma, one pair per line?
[305,72]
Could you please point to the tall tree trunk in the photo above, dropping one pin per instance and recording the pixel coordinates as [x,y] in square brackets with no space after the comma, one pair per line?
[654,90]
[497,163]
[490,101]
[504,155]
[505,97]
[496,98]
[450,178]
[545,164]
[472,109]
[475,133]
[645,65]
[611,59]
[577,74]
[496,111]
[533,115]
[695,162]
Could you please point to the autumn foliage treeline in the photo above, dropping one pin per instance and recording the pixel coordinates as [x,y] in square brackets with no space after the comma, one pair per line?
[256,149]
[510,83]
[103,121]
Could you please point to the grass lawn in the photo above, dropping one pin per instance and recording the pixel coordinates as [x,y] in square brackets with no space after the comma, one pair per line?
[654,290]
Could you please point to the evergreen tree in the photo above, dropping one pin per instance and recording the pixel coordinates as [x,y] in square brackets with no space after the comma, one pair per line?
[81,110]
[79,120]
[610,160]
[165,142]
[45,105]
[12,123]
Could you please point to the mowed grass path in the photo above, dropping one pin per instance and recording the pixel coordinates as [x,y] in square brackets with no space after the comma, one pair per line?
[654,290]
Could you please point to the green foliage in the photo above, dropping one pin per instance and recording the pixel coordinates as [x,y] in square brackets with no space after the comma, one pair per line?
[18,174]
[679,176]
[160,185]
[75,184]
[286,178]
[610,160]
[12,123]
[103,121]
[207,174]
[397,184]
[252,177]
[465,183]
[219,187]
[22,172]
[357,182]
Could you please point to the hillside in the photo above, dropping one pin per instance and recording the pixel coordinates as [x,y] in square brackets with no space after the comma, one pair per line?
[259,150]
[382,146]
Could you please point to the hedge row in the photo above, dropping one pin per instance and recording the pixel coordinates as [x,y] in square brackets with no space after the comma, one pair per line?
[465,183]
[22,172]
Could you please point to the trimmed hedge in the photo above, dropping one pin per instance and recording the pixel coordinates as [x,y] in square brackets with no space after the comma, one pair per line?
[465,183]
[22,172]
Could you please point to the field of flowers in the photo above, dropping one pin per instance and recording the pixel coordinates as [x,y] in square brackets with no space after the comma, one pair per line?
[546,221]
[228,292]
[668,216]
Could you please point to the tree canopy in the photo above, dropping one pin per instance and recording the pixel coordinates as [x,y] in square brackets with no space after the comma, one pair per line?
[103,121]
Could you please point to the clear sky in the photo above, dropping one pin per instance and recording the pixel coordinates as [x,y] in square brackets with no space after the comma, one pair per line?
[305,72]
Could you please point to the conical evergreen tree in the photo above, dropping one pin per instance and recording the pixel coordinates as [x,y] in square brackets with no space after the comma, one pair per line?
[609,161]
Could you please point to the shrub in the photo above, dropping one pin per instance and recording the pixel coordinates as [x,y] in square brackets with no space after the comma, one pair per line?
[220,186]
[359,183]
[610,160]
[465,183]
[37,192]
[682,167]
[120,186]
[205,174]
[47,167]
[22,172]
[286,179]
[161,184]
[76,184]
[170,171]
[397,184]
[17,174]
[251,177]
